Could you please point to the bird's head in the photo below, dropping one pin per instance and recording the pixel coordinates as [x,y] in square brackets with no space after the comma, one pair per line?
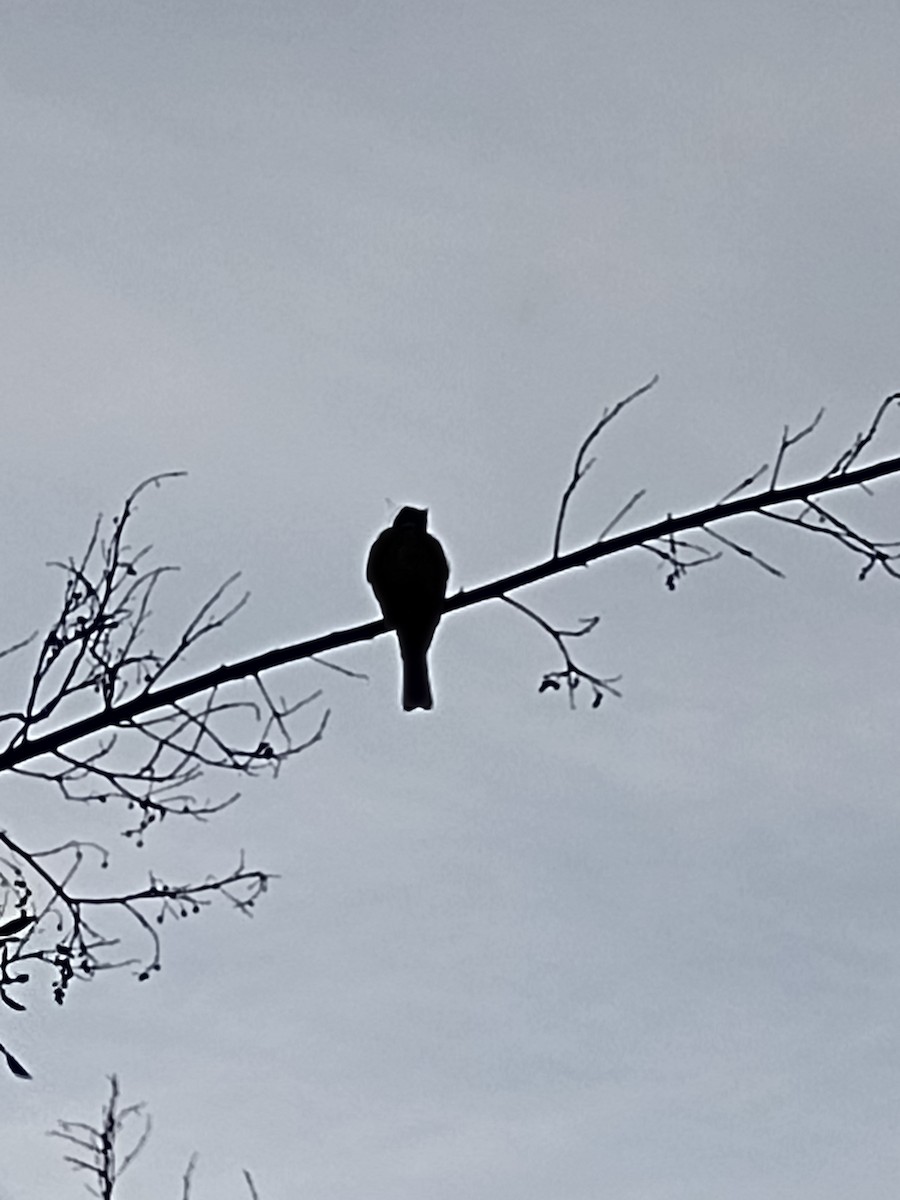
[411,518]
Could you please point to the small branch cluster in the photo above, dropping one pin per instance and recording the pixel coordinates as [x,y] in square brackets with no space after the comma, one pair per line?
[93,664]
[95,654]
[104,1152]
[99,1151]
[813,515]
[570,675]
[61,929]
[680,555]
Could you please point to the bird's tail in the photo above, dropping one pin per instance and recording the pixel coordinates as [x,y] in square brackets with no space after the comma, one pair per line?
[416,684]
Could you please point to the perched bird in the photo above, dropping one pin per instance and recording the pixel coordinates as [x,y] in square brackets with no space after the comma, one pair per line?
[408,571]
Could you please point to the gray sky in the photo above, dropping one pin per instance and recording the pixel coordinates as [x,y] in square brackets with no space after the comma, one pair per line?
[333,257]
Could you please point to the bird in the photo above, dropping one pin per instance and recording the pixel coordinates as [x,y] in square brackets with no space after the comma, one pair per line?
[408,571]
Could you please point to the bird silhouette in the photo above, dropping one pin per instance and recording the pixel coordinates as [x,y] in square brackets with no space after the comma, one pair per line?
[408,571]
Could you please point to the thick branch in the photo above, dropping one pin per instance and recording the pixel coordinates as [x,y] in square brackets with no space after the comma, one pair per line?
[128,712]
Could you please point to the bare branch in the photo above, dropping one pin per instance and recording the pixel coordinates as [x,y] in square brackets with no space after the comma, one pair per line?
[875,554]
[583,464]
[862,440]
[681,556]
[126,712]
[158,737]
[666,539]
[622,513]
[106,1150]
[787,442]
[744,552]
[188,1178]
[146,766]
[15,1067]
[20,645]
[101,1158]
[571,674]
[745,483]
[64,933]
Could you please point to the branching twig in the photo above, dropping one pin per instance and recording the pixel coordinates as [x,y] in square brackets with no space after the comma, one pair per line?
[665,540]
[584,464]
[147,766]
[846,460]
[680,556]
[571,674]
[787,441]
[100,1153]
[64,933]
[98,1147]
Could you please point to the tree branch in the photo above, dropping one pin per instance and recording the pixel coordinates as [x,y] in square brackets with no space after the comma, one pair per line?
[127,713]
[99,1147]
[94,653]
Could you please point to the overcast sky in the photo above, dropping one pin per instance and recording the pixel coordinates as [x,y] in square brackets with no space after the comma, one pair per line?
[330,257]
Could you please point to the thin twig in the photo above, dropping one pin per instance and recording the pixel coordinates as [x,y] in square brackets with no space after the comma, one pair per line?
[583,465]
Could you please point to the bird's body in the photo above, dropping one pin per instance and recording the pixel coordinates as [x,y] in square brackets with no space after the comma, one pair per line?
[408,571]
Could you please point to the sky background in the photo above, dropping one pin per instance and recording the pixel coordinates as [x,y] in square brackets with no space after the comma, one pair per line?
[331,257]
